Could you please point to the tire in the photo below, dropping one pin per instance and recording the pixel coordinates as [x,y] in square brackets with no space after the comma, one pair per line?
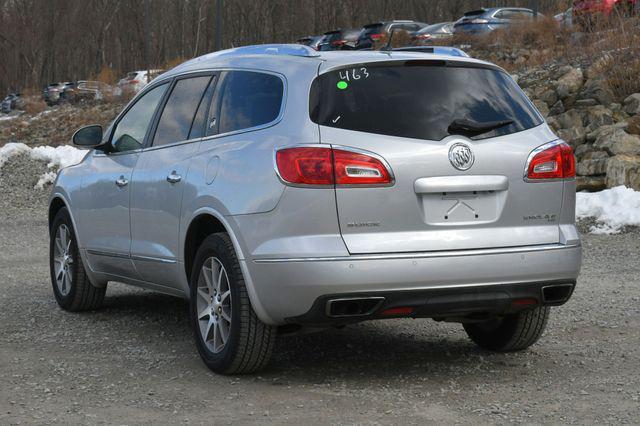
[249,342]
[72,289]
[513,332]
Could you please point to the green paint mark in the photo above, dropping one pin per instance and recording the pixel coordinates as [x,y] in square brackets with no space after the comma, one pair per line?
[342,85]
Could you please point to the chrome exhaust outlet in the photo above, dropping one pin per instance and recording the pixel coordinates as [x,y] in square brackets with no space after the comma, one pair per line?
[352,306]
[556,294]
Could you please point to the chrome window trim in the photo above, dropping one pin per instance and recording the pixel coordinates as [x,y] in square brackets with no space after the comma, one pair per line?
[426,255]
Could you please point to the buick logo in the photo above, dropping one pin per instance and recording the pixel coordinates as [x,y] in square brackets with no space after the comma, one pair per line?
[461,156]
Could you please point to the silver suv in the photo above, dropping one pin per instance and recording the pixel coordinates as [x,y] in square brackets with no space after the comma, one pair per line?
[278,188]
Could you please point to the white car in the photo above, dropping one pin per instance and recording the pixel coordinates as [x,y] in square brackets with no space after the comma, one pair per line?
[136,80]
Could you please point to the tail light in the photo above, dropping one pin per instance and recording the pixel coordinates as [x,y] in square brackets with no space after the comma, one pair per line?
[338,42]
[323,166]
[423,36]
[554,160]
[375,36]
[134,81]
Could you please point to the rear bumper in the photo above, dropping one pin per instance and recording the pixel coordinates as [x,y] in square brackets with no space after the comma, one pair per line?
[288,289]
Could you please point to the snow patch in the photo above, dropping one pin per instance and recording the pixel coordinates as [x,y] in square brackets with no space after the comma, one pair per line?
[56,158]
[10,117]
[612,208]
[11,149]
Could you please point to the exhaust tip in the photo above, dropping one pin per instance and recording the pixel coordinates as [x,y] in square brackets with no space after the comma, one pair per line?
[352,306]
[556,294]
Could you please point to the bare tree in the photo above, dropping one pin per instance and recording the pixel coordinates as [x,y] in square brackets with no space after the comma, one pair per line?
[57,40]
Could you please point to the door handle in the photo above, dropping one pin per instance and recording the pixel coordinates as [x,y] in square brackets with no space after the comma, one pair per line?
[121,181]
[174,177]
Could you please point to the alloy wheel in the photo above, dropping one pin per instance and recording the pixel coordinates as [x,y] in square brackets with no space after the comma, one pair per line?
[63,260]
[214,305]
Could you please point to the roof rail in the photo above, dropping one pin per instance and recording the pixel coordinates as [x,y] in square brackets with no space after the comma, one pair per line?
[271,49]
[436,50]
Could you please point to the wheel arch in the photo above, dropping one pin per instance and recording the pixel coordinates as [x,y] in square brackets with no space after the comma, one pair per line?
[204,223]
[56,204]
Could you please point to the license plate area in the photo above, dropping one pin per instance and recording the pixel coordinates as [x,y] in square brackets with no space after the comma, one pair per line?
[462,208]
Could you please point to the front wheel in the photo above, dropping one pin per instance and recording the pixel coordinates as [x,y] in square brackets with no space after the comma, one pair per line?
[512,332]
[71,286]
[229,336]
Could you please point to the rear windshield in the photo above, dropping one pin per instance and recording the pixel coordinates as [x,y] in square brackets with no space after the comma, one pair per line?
[475,12]
[371,29]
[419,99]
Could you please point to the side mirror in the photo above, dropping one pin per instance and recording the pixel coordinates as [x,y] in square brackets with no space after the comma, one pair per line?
[88,136]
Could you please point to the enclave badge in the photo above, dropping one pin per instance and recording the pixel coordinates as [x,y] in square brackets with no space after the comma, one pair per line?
[461,156]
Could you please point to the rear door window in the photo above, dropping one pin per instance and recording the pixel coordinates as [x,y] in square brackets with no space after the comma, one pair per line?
[179,112]
[419,99]
[247,99]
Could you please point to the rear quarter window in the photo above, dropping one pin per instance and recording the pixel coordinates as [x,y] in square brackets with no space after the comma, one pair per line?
[419,99]
[248,99]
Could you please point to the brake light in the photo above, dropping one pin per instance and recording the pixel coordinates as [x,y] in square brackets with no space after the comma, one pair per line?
[353,168]
[375,36]
[551,161]
[305,165]
[315,165]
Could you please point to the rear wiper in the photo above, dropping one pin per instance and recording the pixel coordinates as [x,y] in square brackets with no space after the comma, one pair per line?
[473,128]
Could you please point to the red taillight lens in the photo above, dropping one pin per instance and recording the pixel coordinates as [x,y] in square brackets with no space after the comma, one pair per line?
[354,168]
[134,81]
[375,36]
[555,162]
[338,42]
[327,166]
[305,165]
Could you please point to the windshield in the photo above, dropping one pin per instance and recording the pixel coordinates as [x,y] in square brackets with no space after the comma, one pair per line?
[420,99]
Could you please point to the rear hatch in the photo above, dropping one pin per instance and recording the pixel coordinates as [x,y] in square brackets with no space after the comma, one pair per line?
[453,188]
[470,17]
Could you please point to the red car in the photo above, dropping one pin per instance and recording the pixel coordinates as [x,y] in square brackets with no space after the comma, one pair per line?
[605,7]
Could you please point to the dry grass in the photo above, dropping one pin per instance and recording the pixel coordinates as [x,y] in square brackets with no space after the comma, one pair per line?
[106,75]
[34,105]
[172,63]
[399,39]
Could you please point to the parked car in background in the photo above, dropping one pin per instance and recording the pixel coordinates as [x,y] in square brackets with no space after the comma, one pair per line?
[10,102]
[485,20]
[433,32]
[587,12]
[136,80]
[370,33]
[91,90]
[277,188]
[342,39]
[55,93]
[311,41]
[565,19]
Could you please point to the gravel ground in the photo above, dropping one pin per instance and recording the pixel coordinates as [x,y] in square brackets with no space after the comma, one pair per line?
[134,360]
